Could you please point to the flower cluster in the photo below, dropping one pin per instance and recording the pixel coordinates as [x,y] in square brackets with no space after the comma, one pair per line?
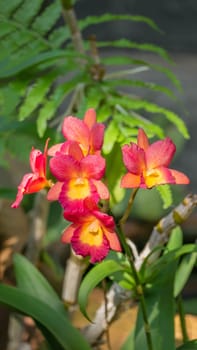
[78,167]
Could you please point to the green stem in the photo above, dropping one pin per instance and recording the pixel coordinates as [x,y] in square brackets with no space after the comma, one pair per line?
[128,209]
[139,287]
[182,319]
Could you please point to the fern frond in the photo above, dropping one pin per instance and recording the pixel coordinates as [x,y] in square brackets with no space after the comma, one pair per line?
[128,44]
[165,193]
[108,17]
[134,104]
[139,83]
[124,60]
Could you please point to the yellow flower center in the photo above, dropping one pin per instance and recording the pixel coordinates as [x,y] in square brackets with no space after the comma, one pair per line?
[92,233]
[79,188]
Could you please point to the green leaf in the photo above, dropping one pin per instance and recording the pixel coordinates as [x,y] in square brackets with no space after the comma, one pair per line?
[138,83]
[47,18]
[190,345]
[166,195]
[108,17]
[176,239]
[111,136]
[30,280]
[7,7]
[159,304]
[49,108]
[184,271]
[124,60]
[36,94]
[127,44]
[26,12]
[94,277]
[57,324]
[151,108]
[31,62]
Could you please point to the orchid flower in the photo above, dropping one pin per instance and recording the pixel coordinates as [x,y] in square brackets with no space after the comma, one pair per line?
[78,179]
[148,165]
[92,235]
[35,181]
[87,133]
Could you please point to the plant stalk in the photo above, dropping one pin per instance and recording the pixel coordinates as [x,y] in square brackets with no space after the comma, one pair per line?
[128,209]
[182,319]
[139,287]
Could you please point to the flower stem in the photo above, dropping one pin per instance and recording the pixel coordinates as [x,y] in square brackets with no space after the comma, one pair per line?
[139,287]
[128,209]
[182,319]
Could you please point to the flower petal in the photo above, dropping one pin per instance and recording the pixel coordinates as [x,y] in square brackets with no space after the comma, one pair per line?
[54,149]
[93,166]
[96,137]
[54,192]
[180,178]
[130,181]
[113,240]
[68,233]
[102,189]
[133,158]
[87,244]
[142,140]
[75,129]
[64,167]
[21,190]
[159,176]
[160,153]
[90,118]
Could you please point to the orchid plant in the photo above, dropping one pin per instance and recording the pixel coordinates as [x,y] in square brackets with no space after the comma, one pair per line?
[76,179]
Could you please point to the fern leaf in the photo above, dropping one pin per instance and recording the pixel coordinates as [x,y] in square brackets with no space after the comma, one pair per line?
[139,83]
[108,17]
[59,36]
[153,108]
[27,11]
[124,60]
[47,19]
[165,193]
[7,7]
[126,44]
[31,62]
[36,95]
[111,135]
[49,108]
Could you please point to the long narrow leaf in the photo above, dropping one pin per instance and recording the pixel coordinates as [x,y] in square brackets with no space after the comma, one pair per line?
[59,326]
[94,277]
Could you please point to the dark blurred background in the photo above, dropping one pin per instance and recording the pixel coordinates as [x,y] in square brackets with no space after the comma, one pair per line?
[177,20]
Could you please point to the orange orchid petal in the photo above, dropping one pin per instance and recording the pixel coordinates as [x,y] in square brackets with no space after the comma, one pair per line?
[142,140]
[180,178]
[102,189]
[54,192]
[133,158]
[75,129]
[113,240]
[90,118]
[159,176]
[160,153]
[130,181]
[68,233]
[54,149]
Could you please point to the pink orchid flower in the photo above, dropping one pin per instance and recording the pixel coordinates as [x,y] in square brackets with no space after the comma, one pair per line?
[87,133]
[35,181]
[92,235]
[78,179]
[148,165]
